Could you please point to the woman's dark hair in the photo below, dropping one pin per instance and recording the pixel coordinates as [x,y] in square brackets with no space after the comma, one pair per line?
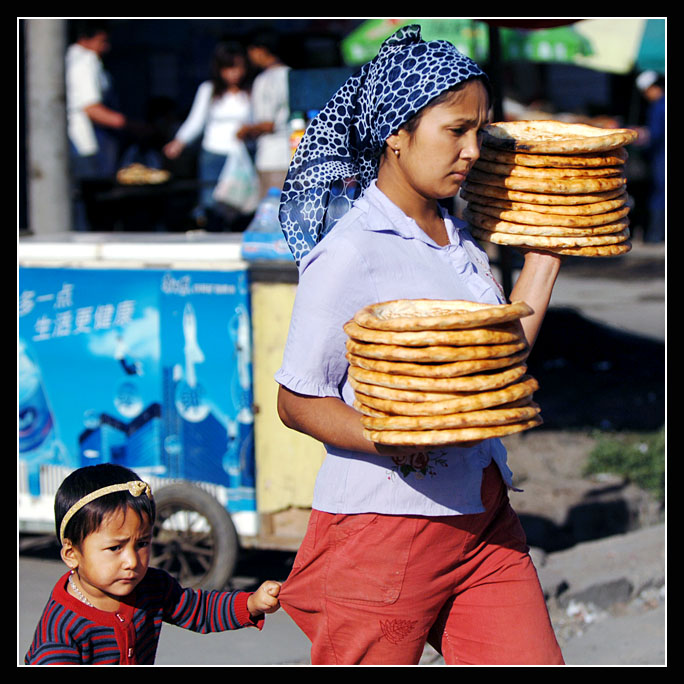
[226,54]
[411,125]
[88,519]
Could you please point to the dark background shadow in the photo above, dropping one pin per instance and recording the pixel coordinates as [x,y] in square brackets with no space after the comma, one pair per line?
[593,376]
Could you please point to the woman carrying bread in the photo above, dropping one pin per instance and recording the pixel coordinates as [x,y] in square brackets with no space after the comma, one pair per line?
[391,559]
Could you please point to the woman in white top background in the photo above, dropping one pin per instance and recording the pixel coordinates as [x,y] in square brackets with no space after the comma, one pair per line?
[220,108]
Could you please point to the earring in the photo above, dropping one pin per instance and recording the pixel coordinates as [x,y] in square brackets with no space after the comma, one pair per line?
[396,152]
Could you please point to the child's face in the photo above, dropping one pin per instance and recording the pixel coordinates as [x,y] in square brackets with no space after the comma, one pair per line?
[111,561]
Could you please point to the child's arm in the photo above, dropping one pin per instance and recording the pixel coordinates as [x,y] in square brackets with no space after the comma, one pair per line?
[208,611]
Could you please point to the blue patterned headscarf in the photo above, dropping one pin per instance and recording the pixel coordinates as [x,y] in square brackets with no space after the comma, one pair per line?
[339,154]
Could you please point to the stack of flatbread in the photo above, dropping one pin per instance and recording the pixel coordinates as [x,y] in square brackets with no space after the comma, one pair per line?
[139,174]
[434,372]
[550,185]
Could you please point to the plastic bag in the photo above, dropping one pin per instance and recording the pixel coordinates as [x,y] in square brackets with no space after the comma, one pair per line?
[238,183]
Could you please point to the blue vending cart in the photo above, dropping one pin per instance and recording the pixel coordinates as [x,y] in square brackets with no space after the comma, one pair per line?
[137,350]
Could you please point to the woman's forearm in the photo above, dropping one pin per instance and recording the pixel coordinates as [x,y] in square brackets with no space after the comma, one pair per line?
[327,419]
[535,286]
[331,421]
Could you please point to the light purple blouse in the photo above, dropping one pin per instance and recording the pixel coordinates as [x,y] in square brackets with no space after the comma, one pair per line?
[375,254]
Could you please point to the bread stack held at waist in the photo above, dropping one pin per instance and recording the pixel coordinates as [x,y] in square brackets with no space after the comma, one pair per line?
[437,372]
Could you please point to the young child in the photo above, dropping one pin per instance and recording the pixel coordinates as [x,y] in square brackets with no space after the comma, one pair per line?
[109,608]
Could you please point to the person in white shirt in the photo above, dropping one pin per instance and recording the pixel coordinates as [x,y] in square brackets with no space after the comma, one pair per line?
[90,121]
[220,108]
[271,112]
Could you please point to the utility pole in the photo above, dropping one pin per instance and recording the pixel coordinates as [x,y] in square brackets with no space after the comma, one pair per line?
[47,151]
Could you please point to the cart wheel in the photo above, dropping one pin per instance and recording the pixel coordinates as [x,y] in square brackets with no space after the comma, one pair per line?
[194,537]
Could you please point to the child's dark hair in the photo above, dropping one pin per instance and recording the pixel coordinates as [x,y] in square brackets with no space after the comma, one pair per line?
[88,519]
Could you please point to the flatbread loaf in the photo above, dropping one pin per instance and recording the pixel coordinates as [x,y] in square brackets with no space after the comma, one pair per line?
[549,241]
[554,137]
[466,401]
[507,332]
[531,224]
[558,186]
[435,314]
[493,416]
[611,158]
[376,413]
[596,250]
[540,197]
[465,383]
[139,174]
[444,437]
[368,391]
[559,209]
[546,171]
[436,370]
[433,354]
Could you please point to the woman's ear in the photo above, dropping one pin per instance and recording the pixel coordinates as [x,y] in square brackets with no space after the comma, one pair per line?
[394,142]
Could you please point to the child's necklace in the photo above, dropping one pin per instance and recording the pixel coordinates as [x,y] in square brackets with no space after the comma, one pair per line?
[78,592]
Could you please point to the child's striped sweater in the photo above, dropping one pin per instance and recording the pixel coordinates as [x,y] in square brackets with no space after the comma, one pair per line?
[71,633]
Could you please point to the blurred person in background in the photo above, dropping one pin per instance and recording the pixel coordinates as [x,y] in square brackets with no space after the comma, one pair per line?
[271,111]
[93,123]
[221,107]
[652,88]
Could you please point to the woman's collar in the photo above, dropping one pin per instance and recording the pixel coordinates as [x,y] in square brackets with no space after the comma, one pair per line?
[384,216]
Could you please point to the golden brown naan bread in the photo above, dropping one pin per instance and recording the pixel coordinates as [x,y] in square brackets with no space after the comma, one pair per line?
[451,369]
[543,241]
[437,314]
[558,186]
[433,354]
[482,211]
[611,158]
[507,332]
[444,437]
[559,209]
[465,383]
[546,172]
[467,401]
[554,137]
[492,416]
[540,197]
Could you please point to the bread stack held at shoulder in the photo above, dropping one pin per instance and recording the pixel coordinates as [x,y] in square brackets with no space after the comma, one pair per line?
[438,372]
[549,185]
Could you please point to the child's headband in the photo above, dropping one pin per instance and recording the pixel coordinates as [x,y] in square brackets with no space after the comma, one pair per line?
[135,487]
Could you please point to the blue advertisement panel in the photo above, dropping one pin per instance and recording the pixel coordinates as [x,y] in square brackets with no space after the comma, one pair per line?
[148,368]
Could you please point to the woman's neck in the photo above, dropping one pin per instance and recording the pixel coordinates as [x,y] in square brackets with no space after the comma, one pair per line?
[425,211]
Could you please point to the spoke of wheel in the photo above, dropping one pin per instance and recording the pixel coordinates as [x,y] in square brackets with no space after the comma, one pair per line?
[188,546]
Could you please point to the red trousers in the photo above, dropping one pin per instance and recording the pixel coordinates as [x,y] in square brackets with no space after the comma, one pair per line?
[372,589]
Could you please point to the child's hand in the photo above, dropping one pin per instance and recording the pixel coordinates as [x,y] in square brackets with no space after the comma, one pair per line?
[264,599]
